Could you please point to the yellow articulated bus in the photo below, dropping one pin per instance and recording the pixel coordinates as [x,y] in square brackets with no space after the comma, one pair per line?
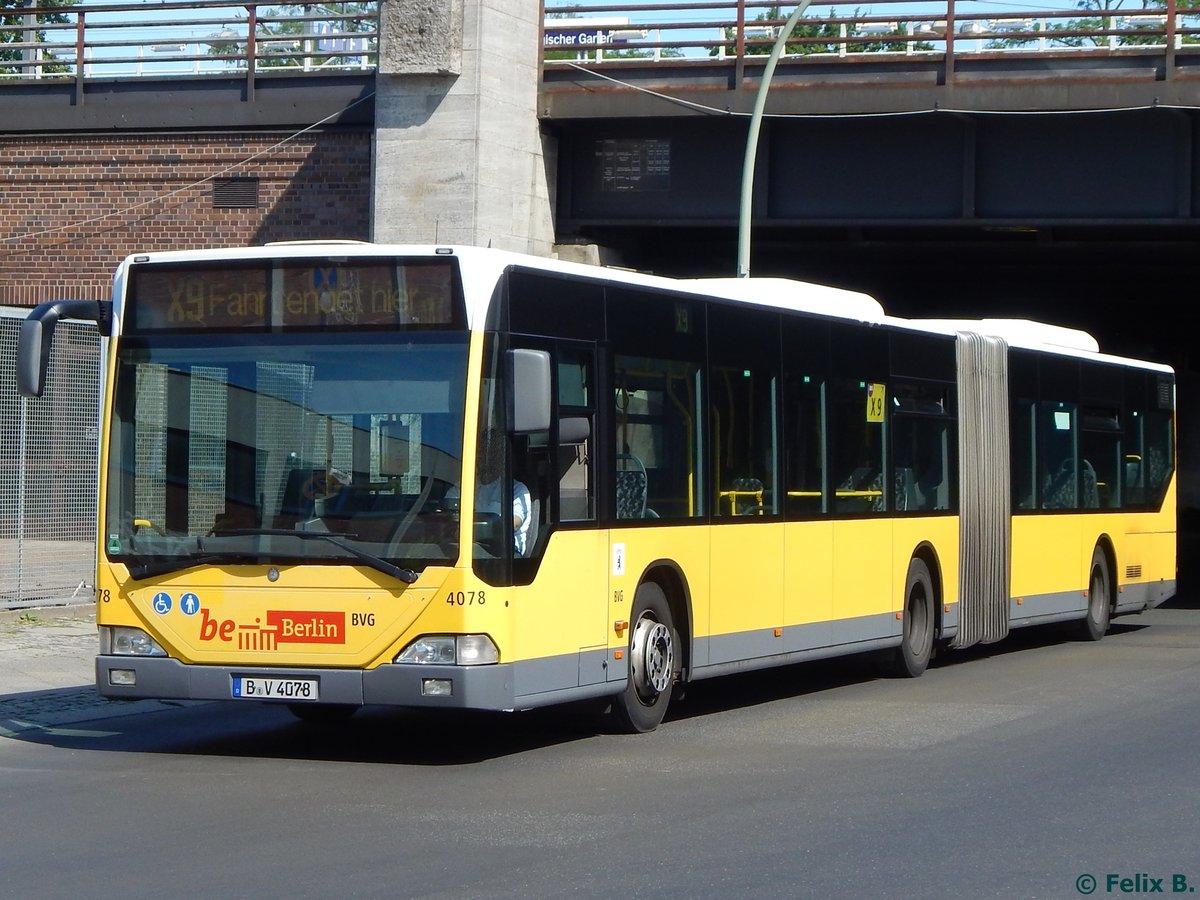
[339,474]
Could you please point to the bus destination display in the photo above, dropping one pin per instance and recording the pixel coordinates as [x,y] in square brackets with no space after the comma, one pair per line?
[287,294]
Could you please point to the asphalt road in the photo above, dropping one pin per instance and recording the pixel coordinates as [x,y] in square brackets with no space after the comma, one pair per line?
[1022,769]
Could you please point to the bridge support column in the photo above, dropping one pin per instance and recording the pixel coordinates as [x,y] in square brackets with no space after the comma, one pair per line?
[459,155]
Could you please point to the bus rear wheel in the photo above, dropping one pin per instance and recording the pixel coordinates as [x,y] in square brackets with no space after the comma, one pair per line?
[1095,624]
[653,662]
[912,657]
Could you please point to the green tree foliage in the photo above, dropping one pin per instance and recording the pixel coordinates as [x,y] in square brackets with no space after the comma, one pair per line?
[287,36]
[1123,23]
[15,30]
[817,36]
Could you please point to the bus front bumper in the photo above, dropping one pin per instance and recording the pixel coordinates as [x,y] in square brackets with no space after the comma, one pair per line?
[438,687]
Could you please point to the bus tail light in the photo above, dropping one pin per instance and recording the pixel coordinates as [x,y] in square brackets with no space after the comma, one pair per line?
[449,650]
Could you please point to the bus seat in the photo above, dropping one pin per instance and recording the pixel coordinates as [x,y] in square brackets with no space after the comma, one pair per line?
[1091,491]
[1156,468]
[875,486]
[632,487]
[905,486]
[1059,490]
[859,491]
[747,497]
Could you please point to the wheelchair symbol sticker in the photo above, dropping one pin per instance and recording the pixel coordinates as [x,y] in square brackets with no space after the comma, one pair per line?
[189,604]
[162,603]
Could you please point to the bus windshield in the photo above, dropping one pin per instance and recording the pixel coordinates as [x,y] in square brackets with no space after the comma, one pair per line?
[285,448]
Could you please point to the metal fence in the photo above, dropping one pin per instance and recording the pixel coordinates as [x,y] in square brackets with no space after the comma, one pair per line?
[88,40]
[48,470]
[677,30]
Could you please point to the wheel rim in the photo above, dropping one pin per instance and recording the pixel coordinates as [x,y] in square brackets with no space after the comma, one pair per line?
[653,657]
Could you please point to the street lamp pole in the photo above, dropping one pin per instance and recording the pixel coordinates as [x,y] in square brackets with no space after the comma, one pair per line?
[760,101]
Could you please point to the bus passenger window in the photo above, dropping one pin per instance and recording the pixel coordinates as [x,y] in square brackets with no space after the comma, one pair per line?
[804,423]
[1057,470]
[574,469]
[1024,454]
[742,415]
[922,428]
[573,453]
[656,435]
[1100,449]
[857,450]
[1148,443]
[1158,456]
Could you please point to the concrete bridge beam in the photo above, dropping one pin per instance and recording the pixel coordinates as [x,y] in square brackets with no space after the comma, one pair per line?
[459,155]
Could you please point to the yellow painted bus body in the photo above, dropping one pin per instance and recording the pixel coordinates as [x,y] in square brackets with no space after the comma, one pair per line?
[759,583]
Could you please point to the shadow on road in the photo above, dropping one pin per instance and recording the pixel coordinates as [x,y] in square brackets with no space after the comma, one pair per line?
[76,719]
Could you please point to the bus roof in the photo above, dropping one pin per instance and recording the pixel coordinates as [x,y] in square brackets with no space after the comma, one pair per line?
[487,265]
[1030,335]
[784,293]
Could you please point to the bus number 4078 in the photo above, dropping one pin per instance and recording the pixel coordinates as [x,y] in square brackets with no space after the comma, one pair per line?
[466,598]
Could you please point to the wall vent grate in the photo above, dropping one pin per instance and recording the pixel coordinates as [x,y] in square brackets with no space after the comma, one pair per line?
[235,193]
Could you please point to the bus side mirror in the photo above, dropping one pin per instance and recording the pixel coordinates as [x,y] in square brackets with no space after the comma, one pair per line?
[529,375]
[37,335]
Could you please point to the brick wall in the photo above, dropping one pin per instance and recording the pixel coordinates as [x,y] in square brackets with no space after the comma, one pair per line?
[71,207]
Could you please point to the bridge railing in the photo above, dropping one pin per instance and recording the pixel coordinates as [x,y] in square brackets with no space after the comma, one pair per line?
[612,32]
[123,40]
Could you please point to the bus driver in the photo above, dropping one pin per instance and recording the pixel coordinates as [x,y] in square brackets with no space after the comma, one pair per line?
[488,489]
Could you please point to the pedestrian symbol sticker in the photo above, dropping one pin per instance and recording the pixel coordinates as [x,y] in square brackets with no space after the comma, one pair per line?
[189,603]
[162,603]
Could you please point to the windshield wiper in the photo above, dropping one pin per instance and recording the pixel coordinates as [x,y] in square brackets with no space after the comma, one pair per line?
[408,576]
[138,571]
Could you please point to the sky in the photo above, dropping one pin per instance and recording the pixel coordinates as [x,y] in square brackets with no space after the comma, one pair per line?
[153,35]
[989,13]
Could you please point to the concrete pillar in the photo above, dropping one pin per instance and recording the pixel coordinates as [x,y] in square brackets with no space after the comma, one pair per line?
[459,154]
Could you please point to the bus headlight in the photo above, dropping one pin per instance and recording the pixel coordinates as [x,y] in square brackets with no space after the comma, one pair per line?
[121,641]
[449,650]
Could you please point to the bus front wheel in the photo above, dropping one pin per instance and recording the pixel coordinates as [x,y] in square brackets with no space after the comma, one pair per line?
[912,657]
[1095,623]
[653,662]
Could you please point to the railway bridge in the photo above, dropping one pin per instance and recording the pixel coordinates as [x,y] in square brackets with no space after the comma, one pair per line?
[949,156]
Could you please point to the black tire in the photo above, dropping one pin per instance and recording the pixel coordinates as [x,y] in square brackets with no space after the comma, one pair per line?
[912,657]
[1099,612]
[322,713]
[654,663]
